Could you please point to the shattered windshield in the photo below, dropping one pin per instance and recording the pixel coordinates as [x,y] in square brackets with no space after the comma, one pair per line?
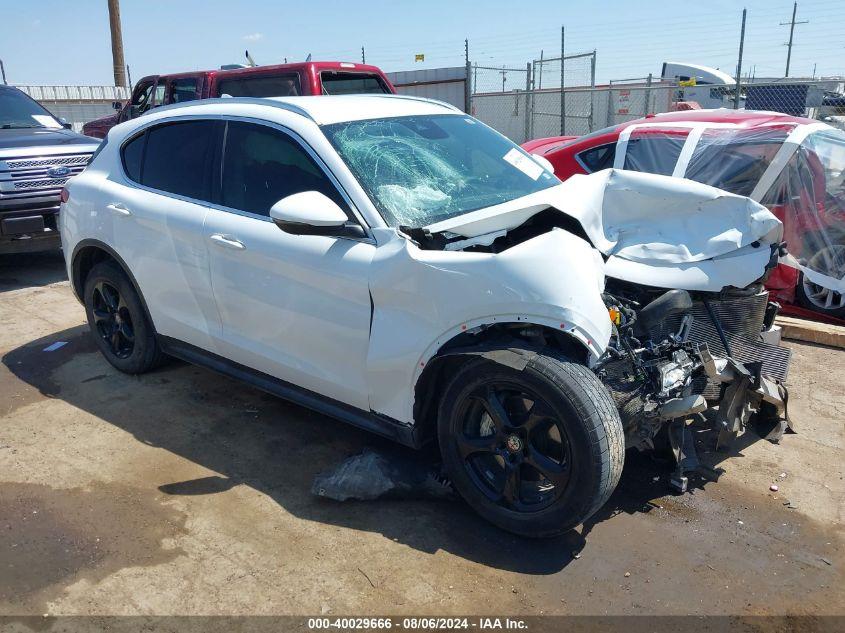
[419,170]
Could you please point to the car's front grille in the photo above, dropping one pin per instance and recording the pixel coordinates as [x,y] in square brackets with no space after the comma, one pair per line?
[28,177]
[41,184]
[47,162]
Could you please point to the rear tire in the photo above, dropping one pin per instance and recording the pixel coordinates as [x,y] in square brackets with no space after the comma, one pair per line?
[118,321]
[537,451]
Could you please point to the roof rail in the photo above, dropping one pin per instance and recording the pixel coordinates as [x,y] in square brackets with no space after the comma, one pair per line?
[269,101]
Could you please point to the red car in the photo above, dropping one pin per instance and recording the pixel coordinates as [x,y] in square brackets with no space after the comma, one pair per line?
[793,166]
[282,80]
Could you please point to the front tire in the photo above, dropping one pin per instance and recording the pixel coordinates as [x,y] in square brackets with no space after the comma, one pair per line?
[118,321]
[537,451]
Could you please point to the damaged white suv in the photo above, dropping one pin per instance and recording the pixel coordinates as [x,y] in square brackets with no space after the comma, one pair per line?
[396,264]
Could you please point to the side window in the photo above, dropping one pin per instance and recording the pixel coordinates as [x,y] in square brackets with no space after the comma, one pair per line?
[176,158]
[133,154]
[159,93]
[261,86]
[184,89]
[351,83]
[141,100]
[262,165]
[655,154]
[597,158]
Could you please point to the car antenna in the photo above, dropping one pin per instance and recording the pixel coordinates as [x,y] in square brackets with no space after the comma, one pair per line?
[250,59]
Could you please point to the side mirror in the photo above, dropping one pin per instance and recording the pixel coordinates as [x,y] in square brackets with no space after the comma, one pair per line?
[117,105]
[65,123]
[313,213]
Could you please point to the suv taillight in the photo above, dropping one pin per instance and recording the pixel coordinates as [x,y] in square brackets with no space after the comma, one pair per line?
[65,194]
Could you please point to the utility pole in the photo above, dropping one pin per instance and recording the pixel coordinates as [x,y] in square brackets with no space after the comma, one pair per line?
[504,74]
[117,43]
[791,24]
[466,51]
[363,56]
[739,61]
[562,82]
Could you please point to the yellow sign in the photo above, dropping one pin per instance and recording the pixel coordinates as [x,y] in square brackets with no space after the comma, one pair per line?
[419,57]
[689,83]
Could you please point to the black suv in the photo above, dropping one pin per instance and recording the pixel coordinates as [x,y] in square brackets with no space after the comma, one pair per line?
[38,155]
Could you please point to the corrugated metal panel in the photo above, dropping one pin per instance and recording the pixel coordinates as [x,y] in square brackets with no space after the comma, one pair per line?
[76,93]
[77,104]
[443,84]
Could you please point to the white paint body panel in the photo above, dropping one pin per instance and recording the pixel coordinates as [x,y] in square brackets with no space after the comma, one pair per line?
[424,298]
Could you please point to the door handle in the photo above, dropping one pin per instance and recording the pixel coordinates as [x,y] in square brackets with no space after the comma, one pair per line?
[118,209]
[228,241]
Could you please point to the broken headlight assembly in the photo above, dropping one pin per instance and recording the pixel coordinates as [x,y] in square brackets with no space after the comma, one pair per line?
[675,373]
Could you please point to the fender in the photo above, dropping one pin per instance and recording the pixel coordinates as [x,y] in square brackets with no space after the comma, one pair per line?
[77,283]
[422,299]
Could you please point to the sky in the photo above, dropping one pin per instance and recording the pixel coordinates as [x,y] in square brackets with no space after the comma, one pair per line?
[66,42]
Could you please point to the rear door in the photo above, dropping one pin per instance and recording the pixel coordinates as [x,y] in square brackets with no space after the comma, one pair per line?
[156,208]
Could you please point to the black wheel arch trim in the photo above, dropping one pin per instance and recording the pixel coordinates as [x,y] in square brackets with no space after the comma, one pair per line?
[77,285]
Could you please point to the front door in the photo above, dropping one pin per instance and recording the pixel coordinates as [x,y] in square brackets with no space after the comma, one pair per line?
[296,307]
[142,99]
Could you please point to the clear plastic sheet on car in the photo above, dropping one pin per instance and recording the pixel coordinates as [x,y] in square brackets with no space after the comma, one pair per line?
[801,178]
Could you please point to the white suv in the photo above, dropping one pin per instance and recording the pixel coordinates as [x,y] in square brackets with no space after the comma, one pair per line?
[396,264]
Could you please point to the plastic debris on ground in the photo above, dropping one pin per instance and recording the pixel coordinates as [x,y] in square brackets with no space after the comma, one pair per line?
[375,474]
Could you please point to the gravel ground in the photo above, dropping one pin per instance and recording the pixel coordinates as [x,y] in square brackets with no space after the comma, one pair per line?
[184,492]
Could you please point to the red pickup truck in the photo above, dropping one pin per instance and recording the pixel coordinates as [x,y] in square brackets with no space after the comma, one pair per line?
[281,80]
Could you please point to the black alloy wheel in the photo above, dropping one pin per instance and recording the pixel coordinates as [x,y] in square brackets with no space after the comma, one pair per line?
[513,447]
[118,320]
[112,319]
[534,450]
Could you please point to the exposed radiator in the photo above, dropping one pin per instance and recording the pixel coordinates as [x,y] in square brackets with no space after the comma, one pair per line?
[742,320]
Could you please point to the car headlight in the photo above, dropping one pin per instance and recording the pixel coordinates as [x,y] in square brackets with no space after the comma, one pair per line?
[675,373]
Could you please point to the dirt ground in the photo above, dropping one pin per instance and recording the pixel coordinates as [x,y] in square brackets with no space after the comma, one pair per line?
[184,492]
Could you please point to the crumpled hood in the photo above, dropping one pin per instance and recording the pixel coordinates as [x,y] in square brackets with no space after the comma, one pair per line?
[638,216]
[657,230]
[652,218]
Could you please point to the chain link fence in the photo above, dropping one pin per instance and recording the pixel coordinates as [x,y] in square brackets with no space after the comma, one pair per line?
[533,107]
[533,112]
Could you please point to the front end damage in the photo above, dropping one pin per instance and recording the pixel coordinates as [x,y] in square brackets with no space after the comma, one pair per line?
[685,263]
[671,363]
